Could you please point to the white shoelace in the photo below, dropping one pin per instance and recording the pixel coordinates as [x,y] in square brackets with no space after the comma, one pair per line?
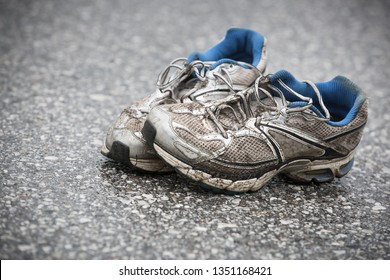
[166,83]
[246,112]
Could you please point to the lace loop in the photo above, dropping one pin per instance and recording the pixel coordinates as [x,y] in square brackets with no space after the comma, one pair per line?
[307,99]
[270,111]
[165,80]
[217,123]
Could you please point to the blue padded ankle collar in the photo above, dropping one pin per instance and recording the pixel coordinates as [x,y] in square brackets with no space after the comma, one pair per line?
[341,96]
[238,45]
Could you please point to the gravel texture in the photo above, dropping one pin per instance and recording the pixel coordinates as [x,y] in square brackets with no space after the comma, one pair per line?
[68,68]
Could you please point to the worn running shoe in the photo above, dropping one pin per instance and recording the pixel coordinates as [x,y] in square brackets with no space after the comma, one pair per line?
[305,130]
[228,67]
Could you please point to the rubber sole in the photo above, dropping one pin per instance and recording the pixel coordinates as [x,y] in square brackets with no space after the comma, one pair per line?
[299,171]
[120,153]
[321,171]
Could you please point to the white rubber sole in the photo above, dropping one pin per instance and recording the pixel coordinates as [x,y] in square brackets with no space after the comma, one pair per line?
[299,170]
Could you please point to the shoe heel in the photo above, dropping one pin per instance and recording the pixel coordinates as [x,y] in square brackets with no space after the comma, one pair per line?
[321,171]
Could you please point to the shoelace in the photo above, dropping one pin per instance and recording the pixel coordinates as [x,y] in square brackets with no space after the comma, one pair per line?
[166,82]
[245,111]
[198,67]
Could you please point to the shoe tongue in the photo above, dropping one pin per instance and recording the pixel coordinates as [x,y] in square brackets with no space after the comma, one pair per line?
[239,74]
[223,61]
[287,83]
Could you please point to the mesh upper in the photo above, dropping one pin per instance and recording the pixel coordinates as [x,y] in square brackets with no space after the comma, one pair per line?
[248,149]
[321,129]
[127,121]
[195,124]
[227,118]
[347,143]
[207,146]
[292,148]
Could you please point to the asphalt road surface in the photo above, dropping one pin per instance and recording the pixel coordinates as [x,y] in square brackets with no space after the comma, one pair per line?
[68,68]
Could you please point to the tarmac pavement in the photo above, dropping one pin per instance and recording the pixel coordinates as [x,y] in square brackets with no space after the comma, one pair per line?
[68,68]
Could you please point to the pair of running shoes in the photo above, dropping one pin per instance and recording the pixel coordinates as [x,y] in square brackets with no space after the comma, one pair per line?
[216,118]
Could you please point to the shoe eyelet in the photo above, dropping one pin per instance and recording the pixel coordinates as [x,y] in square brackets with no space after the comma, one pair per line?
[284,112]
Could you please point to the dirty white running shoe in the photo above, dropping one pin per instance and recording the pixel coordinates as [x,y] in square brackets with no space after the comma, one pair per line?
[304,130]
[230,66]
